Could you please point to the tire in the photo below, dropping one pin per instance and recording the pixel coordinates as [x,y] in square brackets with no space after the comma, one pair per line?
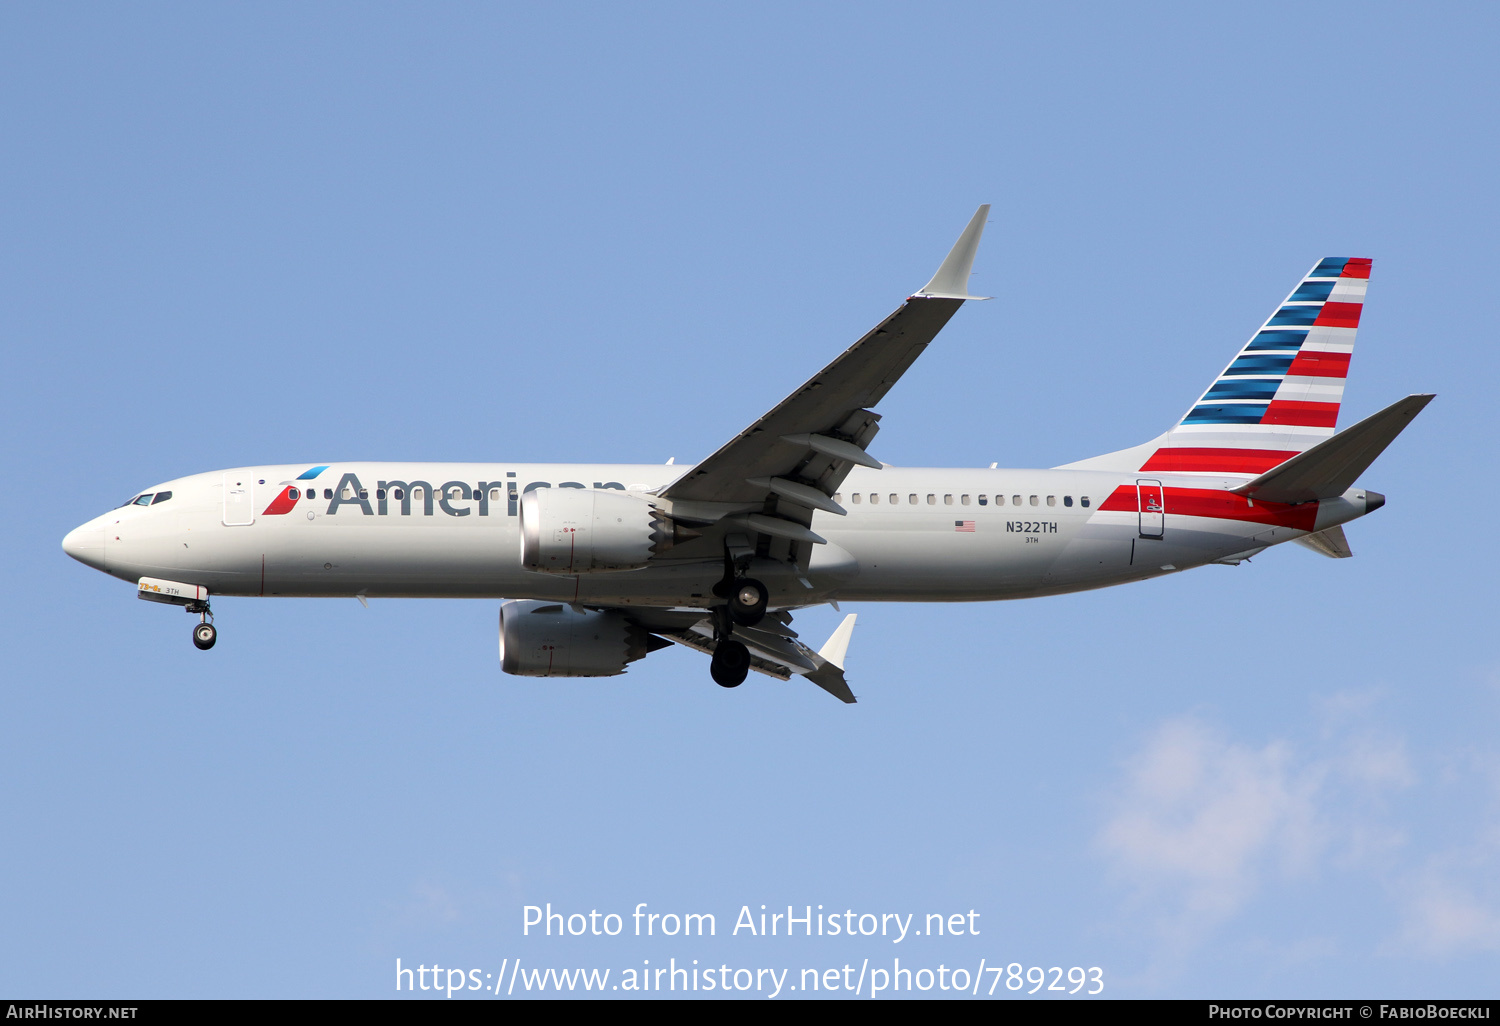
[731,664]
[748,601]
[204,636]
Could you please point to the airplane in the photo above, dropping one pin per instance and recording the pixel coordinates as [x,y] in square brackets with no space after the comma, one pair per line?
[600,565]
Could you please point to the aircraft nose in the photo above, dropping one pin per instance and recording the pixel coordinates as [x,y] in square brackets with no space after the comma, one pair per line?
[86,544]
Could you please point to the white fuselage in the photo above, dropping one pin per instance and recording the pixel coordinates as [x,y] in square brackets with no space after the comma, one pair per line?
[911,534]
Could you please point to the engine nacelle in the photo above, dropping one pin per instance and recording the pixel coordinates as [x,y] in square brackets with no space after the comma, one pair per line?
[549,639]
[591,530]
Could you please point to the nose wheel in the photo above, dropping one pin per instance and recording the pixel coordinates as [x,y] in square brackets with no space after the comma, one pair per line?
[204,632]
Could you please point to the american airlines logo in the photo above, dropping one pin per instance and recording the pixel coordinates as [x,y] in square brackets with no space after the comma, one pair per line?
[408,498]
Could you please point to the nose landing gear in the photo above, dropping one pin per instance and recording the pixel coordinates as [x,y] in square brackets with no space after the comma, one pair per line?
[204,636]
[204,632]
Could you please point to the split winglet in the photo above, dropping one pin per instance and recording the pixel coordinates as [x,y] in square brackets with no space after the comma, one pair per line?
[837,646]
[952,279]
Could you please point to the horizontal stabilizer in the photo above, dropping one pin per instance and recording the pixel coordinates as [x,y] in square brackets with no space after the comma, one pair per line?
[1329,469]
[1330,543]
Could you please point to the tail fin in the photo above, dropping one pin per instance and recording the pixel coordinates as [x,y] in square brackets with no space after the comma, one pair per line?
[1281,393]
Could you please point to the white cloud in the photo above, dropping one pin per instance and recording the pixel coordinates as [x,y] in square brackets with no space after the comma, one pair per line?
[1444,917]
[1201,819]
[1452,903]
[1392,837]
[1203,824]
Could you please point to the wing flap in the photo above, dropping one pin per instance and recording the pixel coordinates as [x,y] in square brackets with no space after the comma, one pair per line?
[773,645]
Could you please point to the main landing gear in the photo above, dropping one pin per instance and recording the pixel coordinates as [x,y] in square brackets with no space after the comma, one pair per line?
[731,663]
[746,601]
[204,632]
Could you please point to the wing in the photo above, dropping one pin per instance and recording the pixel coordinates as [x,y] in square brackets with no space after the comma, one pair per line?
[774,648]
[769,478]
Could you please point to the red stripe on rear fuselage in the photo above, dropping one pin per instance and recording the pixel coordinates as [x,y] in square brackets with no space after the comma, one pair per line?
[1220,505]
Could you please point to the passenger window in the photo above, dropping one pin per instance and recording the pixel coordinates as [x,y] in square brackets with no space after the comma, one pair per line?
[364,493]
[874,498]
[931,499]
[838,496]
[1067,500]
[912,498]
[895,499]
[294,494]
[984,500]
[494,495]
[999,500]
[161,497]
[327,493]
[963,500]
[1052,500]
[379,494]
[855,497]
[947,500]
[1035,501]
[144,500]
[398,493]
[1083,500]
[1015,500]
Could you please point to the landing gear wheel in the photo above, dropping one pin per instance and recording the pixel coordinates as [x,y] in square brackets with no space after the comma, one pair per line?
[731,663]
[204,636]
[747,602]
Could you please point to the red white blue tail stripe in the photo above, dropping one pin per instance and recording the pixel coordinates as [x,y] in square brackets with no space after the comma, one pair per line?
[1281,393]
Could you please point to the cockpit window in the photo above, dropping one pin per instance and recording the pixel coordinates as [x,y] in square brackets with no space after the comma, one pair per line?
[143,500]
[161,497]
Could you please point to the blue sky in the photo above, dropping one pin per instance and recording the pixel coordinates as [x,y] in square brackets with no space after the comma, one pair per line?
[278,233]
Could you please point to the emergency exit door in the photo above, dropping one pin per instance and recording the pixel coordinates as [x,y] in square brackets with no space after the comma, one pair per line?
[239,500]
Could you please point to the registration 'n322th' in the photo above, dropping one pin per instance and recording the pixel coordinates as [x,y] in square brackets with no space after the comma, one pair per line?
[1031,527]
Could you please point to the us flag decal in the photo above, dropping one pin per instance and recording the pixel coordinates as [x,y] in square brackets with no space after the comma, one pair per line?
[967,526]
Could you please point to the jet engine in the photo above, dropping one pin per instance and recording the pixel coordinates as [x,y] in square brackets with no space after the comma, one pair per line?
[549,639]
[592,530]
